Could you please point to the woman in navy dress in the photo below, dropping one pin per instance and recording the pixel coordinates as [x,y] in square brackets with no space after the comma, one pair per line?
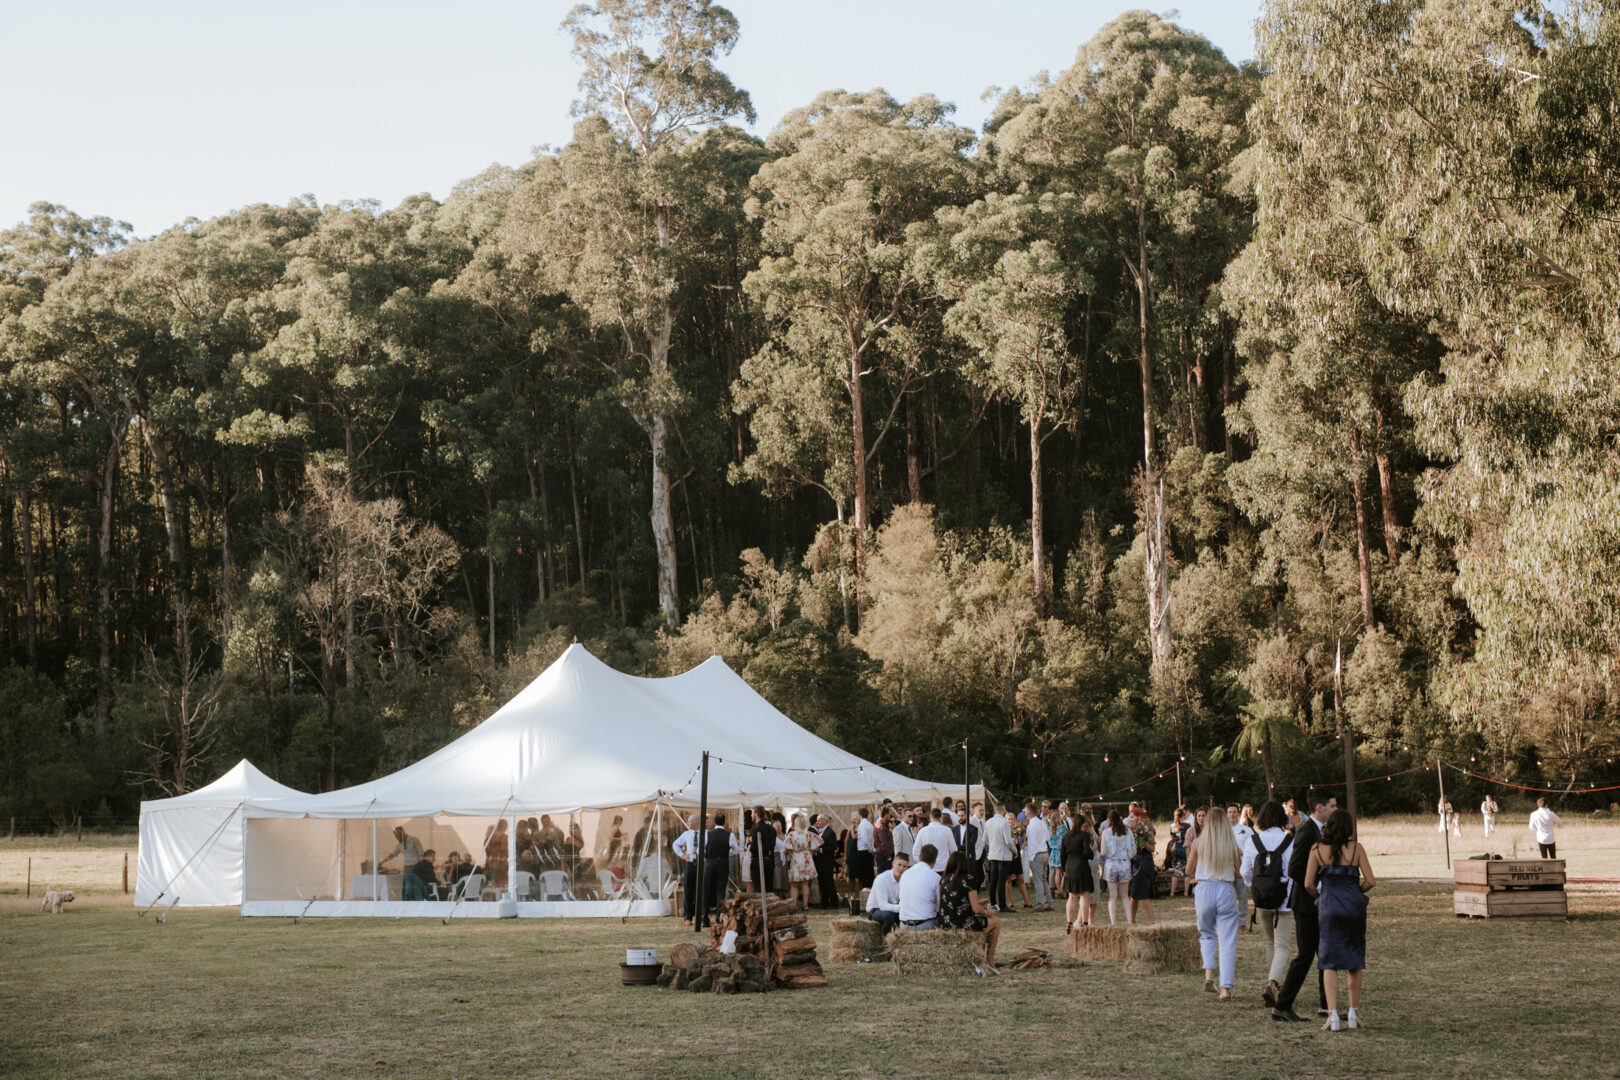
[1339,875]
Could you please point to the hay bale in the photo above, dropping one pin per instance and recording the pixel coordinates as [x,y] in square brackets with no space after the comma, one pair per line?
[855,939]
[1163,948]
[936,952]
[1098,942]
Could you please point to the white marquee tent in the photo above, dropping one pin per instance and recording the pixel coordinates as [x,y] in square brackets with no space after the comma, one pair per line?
[191,846]
[582,741]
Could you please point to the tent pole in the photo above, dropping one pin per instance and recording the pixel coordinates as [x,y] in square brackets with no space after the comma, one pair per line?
[658,827]
[701,907]
[374,874]
[511,855]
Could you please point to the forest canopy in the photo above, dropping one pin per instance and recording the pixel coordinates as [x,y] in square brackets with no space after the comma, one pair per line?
[1246,419]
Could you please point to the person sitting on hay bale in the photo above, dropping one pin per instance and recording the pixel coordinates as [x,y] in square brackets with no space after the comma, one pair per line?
[961,909]
[919,892]
[883,902]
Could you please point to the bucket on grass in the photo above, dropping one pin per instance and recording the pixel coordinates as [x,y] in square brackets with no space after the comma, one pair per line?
[638,956]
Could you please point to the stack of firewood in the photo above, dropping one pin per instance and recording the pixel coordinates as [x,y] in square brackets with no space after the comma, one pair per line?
[778,932]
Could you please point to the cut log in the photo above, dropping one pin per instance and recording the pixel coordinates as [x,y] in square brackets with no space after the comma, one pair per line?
[685,953]
[788,919]
[789,932]
[796,959]
[803,944]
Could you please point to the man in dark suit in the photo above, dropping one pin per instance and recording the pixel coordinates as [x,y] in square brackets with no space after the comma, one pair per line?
[967,841]
[826,862]
[1320,804]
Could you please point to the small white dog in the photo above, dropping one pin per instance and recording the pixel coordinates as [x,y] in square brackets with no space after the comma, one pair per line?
[54,899]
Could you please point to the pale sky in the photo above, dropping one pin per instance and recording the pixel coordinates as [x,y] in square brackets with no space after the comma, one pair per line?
[157,111]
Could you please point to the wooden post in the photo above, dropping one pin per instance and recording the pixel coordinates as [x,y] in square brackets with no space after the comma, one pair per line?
[12,834]
[29,891]
[126,872]
[78,829]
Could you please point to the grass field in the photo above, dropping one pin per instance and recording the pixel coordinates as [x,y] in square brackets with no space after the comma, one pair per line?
[98,992]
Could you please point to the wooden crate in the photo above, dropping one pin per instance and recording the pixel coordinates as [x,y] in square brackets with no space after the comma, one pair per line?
[1509,874]
[1510,903]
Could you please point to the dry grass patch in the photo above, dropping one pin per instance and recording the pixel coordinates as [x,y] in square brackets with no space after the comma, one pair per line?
[98,992]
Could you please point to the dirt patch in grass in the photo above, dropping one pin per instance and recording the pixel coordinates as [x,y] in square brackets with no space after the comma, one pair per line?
[98,992]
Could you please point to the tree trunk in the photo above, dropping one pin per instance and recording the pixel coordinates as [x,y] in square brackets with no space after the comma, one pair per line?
[109,486]
[858,517]
[545,585]
[663,527]
[1037,515]
[913,456]
[225,567]
[489,565]
[1157,568]
[177,553]
[1358,491]
[25,506]
[1386,498]
[573,490]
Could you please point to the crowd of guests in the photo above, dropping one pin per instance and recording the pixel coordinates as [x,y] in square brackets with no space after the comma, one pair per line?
[1286,871]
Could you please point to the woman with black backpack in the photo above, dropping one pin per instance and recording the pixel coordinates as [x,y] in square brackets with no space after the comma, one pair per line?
[1265,868]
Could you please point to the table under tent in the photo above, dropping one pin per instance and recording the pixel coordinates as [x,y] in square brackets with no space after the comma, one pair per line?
[596,769]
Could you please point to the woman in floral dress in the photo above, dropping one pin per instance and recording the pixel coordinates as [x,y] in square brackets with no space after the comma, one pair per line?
[802,845]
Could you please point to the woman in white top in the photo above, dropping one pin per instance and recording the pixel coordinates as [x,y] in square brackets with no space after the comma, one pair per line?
[1119,848]
[1276,924]
[1212,862]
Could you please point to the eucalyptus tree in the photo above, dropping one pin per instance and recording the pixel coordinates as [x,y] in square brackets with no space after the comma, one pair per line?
[843,299]
[1469,151]
[33,255]
[1145,128]
[649,82]
[1013,266]
[82,341]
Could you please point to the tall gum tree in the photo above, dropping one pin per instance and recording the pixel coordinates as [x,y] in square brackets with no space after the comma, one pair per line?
[854,172]
[1145,127]
[649,83]
[1012,266]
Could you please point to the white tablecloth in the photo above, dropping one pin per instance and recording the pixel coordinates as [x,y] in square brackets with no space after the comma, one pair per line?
[387,886]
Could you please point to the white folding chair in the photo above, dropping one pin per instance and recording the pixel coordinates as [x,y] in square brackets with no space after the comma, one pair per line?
[554,885]
[522,884]
[610,887]
[470,888]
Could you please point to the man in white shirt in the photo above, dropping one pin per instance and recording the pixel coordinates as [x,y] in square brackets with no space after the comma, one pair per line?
[1244,837]
[883,902]
[685,848]
[999,855]
[919,890]
[1542,821]
[1487,810]
[1037,836]
[862,874]
[938,836]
